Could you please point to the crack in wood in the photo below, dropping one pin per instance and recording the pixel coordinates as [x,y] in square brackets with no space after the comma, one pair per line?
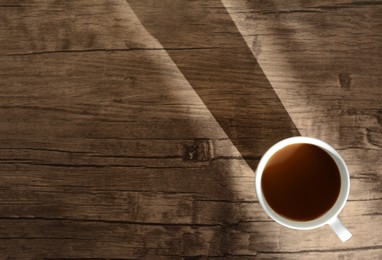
[48,238]
[230,201]
[323,250]
[43,149]
[225,225]
[98,165]
[112,50]
[373,199]
[291,11]
[373,214]
[349,5]
[9,5]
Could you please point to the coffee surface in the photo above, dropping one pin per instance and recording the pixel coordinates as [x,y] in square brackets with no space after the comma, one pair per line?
[301,182]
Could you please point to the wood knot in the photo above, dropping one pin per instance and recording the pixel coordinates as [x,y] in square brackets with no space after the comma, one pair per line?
[345,80]
[200,151]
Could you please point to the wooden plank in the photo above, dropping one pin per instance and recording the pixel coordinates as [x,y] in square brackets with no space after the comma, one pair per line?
[118,121]
[124,237]
[70,172]
[130,205]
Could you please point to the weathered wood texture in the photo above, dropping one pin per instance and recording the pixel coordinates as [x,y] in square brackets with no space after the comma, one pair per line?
[123,125]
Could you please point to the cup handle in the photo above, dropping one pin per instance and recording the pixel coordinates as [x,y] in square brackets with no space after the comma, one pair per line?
[340,229]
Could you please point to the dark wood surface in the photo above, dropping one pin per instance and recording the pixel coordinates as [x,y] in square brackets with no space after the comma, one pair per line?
[133,129]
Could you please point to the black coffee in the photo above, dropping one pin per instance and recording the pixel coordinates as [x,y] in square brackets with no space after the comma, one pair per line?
[301,182]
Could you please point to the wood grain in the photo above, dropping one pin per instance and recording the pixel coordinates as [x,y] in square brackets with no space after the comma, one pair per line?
[133,129]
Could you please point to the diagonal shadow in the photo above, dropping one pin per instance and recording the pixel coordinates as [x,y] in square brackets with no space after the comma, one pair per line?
[205,44]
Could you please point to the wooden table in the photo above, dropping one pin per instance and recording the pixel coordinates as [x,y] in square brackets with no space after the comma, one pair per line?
[133,129]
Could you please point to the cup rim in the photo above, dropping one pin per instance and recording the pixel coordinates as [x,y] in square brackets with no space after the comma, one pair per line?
[328,216]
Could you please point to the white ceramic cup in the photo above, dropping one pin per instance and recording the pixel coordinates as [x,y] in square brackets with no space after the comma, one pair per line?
[330,217]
